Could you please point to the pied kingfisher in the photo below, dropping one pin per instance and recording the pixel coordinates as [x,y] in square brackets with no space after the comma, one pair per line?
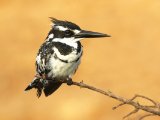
[59,56]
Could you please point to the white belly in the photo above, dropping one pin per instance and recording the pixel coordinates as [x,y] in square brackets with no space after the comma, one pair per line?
[62,69]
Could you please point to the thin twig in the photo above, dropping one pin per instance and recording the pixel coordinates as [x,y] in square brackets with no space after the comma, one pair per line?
[119,105]
[147,115]
[141,96]
[132,112]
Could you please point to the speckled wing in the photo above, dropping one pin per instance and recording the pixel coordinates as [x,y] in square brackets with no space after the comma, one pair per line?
[43,57]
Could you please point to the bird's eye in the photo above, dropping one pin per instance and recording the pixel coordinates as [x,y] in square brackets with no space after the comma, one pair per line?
[68,33]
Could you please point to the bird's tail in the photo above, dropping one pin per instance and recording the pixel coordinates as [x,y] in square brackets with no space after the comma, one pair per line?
[48,86]
[51,86]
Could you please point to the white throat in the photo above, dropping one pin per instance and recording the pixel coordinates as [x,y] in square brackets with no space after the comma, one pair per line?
[68,41]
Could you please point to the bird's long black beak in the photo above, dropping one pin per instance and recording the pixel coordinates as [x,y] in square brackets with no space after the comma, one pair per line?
[90,34]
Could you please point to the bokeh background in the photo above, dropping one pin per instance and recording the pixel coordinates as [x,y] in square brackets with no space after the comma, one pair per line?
[128,63]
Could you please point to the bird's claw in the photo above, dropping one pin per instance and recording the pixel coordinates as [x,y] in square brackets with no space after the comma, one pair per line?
[69,82]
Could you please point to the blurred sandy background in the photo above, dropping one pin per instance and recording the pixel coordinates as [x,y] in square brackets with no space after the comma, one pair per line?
[127,63]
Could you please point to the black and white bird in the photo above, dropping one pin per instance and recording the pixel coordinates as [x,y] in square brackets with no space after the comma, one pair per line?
[59,56]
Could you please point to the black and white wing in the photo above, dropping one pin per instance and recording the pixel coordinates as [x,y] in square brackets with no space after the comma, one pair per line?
[43,68]
[43,57]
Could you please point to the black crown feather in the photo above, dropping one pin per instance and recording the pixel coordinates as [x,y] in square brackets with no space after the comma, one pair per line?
[64,23]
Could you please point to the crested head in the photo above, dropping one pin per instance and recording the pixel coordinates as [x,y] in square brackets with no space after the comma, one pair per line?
[63,31]
[66,31]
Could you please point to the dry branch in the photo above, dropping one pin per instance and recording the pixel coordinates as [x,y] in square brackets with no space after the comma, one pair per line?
[151,110]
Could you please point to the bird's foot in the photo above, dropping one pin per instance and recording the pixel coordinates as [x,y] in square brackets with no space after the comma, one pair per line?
[69,81]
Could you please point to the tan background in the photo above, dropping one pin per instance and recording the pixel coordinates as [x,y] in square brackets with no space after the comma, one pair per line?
[127,63]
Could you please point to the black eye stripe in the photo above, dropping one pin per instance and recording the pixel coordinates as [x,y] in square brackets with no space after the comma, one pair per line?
[61,34]
[68,33]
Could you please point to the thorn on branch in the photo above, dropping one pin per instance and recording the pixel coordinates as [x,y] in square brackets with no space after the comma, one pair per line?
[81,82]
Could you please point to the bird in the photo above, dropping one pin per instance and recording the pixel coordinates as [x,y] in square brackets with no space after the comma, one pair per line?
[59,56]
